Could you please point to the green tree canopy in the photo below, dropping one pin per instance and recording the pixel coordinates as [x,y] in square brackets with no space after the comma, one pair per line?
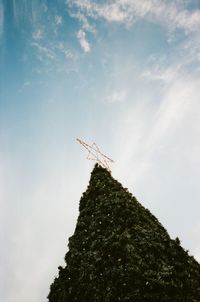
[121,252]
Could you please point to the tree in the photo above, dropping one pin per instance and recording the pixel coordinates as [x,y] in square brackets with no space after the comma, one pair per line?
[121,252]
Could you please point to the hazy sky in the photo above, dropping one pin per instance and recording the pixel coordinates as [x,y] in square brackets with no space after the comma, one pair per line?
[122,73]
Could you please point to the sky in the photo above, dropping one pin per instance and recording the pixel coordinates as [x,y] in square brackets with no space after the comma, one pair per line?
[122,73]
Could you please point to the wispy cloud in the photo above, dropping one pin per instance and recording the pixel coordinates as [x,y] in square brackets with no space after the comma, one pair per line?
[86,25]
[65,50]
[28,10]
[191,49]
[185,58]
[22,10]
[83,41]
[23,229]
[129,11]
[116,96]
[175,111]
[161,73]
[1,18]
[43,50]
[38,34]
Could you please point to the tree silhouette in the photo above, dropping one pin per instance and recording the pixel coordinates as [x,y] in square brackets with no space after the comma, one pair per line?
[121,252]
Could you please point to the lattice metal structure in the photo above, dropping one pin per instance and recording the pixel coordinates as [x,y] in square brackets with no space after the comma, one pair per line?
[96,155]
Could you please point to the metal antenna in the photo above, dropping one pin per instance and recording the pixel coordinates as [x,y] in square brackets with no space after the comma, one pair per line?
[96,154]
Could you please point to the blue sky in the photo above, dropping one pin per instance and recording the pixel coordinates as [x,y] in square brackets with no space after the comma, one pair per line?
[122,73]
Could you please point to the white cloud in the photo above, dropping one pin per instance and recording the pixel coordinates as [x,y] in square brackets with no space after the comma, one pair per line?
[117,96]
[181,94]
[38,35]
[158,73]
[27,83]
[86,25]
[157,150]
[191,48]
[68,53]
[22,10]
[83,41]
[178,94]
[2,182]
[29,10]
[128,11]
[184,58]
[44,50]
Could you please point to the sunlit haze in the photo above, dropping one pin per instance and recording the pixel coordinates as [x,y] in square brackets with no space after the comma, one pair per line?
[122,73]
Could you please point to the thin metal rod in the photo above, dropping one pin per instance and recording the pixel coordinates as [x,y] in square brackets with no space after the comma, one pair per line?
[96,153]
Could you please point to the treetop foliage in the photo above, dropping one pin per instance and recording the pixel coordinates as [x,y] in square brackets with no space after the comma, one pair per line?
[121,252]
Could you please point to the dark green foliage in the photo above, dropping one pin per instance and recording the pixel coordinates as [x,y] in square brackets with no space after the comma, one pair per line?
[120,252]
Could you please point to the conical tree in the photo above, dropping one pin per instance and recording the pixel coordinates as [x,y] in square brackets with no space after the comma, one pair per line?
[120,252]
